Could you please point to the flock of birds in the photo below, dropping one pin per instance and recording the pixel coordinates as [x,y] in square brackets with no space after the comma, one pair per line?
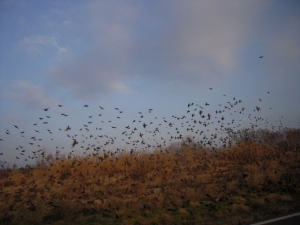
[105,130]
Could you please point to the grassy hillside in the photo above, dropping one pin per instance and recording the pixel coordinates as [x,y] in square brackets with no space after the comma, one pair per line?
[251,180]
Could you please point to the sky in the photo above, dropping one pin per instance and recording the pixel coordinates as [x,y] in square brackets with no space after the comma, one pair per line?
[140,55]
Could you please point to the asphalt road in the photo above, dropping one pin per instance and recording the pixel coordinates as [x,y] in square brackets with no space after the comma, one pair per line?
[292,219]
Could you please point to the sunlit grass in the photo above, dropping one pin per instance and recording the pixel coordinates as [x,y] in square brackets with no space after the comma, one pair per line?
[161,187]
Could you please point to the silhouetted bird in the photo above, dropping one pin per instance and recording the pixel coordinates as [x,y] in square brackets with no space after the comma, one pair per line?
[74,142]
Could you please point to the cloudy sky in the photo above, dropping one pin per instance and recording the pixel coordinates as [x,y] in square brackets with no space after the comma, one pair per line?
[137,55]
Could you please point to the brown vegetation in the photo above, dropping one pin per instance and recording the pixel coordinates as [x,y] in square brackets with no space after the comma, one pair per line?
[251,180]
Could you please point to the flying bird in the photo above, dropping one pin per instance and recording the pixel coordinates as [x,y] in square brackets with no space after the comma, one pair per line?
[141,135]
[75,142]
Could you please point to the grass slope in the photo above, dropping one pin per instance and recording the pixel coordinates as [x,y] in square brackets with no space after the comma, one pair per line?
[192,185]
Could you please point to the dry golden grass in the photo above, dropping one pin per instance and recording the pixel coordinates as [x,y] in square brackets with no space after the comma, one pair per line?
[153,188]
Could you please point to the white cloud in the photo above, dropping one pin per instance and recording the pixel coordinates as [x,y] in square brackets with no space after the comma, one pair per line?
[205,35]
[283,50]
[30,95]
[37,43]
[190,41]
[178,41]
[121,87]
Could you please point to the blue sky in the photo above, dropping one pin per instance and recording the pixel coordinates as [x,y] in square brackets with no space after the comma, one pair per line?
[137,55]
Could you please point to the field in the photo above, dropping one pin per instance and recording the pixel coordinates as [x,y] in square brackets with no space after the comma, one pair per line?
[248,181]
[116,112]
